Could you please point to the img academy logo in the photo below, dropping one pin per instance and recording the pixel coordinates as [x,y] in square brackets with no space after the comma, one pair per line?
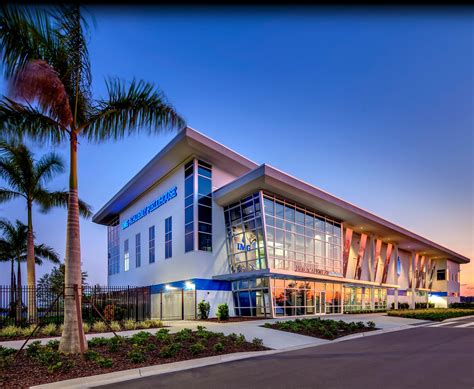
[241,246]
[163,199]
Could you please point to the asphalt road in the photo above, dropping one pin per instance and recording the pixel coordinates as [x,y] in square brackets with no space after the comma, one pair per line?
[426,357]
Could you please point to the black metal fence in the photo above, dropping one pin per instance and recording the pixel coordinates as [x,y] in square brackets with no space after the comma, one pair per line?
[113,303]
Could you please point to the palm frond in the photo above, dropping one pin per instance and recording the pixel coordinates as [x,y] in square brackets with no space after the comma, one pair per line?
[130,110]
[48,200]
[39,81]
[72,27]
[27,34]
[19,120]
[7,195]
[47,167]
[43,252]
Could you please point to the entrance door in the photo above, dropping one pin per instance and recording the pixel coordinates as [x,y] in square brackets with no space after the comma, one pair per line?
[322,302]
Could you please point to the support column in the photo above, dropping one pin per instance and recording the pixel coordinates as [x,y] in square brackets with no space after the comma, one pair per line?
[412,279]
[370,257]
[395,276]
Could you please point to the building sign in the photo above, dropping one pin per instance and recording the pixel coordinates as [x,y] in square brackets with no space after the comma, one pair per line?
[163,199]
[241,246]
[310,268]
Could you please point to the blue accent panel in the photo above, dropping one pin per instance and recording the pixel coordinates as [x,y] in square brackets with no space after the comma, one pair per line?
[390,292]
[402,292]
[439,294]
[199,283]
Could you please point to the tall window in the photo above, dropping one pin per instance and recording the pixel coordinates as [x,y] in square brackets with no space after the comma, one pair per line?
[113,247]
[204,206]
[168,237]
[189,206]
[126,256]
[441,275]
[151,244]
[138,251]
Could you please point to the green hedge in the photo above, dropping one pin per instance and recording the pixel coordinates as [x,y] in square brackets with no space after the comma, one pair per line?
[436,314]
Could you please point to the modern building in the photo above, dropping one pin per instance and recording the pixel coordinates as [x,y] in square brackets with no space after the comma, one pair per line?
[200,217]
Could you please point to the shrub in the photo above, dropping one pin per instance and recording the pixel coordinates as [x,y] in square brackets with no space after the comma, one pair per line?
[54,344]
[115,343]
[458,305]
[86,327]
[154,323]
[223,312]
[170,351]
[5,351]
[98,341]
[99,326]
[163,335]
[109,312]
[91,355]
[370,324]
[104,362]
[9,331]
[136,354]
[203,310]
[140,338]
[49,329]
[257,342]
[240,339]
[129,324]
[115,325]
[144,324]
[27,331]
[218,347]
[33,349]
[233,336]
[197,348]
[360,325]
[184,335]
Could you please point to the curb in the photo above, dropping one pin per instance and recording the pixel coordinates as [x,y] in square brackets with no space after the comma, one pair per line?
[126,375]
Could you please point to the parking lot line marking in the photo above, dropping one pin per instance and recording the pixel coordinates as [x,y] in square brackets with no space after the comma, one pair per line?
[465,325]
[440,325]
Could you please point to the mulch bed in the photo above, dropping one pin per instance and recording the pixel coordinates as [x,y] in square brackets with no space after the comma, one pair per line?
[35,336]
[25,372]
[298,327]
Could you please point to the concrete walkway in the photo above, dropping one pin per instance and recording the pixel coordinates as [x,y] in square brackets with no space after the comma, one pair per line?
[273,339]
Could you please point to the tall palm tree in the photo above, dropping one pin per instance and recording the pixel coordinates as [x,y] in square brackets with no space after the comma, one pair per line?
[27,179]
[14,247]
[6,256]
[45,55]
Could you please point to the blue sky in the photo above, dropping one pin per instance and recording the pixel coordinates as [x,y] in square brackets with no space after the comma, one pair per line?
[375,107]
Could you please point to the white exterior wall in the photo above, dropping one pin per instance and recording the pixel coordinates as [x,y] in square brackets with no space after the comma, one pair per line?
[181,266]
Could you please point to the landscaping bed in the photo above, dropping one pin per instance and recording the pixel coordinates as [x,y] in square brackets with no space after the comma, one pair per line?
[45,364]
[52,330]
[435,314]
[318,328]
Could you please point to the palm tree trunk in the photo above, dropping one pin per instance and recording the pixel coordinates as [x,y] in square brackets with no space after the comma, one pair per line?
[30,267]
[19,304]
[73,333]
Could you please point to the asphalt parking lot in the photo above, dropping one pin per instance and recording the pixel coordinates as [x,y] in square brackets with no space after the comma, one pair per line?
[426,357]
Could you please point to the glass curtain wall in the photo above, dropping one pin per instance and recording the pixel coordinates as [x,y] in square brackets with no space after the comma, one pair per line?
[113,247]
[251,297]
[352,298]
[380,298]
[300,240]
[245,243]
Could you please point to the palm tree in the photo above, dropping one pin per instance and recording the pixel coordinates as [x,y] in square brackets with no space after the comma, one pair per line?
[46,57]
[14,247]
[27,179]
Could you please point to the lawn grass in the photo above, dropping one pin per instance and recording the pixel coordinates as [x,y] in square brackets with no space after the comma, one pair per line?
[318,328]
[435,314]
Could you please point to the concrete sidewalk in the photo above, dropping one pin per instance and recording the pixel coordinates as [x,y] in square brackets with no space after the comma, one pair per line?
[273,339]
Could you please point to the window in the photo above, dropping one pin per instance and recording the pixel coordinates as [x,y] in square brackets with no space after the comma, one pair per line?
[168,237]
[441,275]
[113,247]
[126,256]
[204,206]
[151,244]
[138,254]
[189,206]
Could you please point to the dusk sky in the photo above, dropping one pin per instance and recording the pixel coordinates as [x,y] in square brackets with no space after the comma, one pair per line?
[375,107]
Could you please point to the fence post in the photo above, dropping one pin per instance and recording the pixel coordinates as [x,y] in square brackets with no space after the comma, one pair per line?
[161,304]
[182,304]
